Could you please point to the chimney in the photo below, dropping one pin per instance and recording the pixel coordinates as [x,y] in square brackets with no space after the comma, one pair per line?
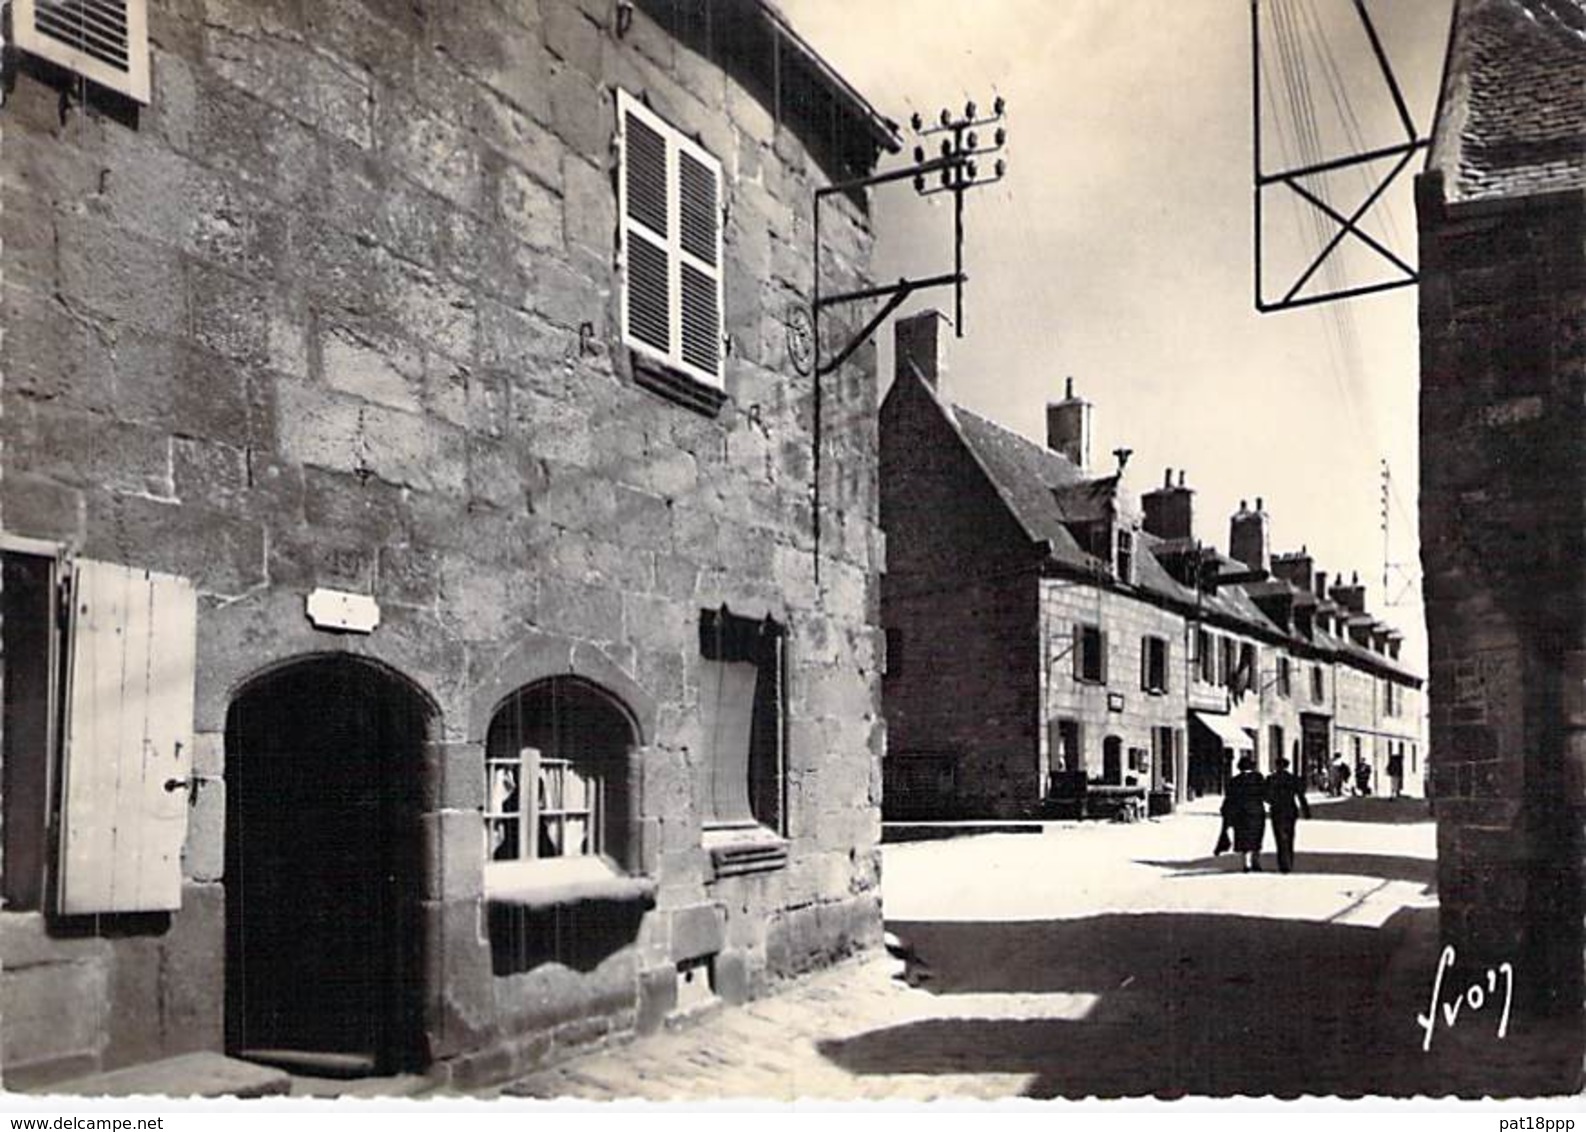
[1170,510]
[1321,584]
[920,347]
[1352,597]
[1068,428]
[1247,536]
[1295,569]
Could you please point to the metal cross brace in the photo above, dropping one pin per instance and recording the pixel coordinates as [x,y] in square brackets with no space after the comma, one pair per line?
[1347,225]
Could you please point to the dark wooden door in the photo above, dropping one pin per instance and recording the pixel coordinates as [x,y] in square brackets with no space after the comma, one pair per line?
[322,874]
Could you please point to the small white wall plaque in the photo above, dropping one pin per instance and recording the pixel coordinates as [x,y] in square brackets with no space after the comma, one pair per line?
[343,611]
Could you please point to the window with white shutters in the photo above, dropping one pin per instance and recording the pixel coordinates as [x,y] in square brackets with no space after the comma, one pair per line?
[669,196]
[105,41]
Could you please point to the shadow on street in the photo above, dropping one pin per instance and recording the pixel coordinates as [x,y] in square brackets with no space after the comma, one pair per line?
[1415,870]
[1189,1004]
[1378,811]
[1196,1004]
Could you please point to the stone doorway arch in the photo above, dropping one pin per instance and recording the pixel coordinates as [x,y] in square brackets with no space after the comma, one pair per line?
[325,867]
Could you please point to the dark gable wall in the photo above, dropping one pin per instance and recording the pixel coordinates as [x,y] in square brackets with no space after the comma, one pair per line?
[961,591]
[338,309]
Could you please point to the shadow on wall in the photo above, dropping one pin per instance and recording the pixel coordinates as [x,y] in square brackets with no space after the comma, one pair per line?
[579,935]
[1416,870]
[1201,1005]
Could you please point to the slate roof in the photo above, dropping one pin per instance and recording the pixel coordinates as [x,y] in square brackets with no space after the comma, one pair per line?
[1043,490]
[1512,110]
[1025,474]
[883,130]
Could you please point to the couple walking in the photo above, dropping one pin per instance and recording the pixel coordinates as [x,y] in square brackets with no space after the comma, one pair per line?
[1245,807]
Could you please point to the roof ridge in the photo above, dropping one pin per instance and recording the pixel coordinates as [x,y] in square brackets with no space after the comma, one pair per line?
[1034,445]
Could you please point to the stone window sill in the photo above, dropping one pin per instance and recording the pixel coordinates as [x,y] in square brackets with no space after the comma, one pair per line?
[676,386]
[740,850]
[566,880]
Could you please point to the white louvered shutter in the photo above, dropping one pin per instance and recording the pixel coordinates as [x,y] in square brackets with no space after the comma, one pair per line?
[670,200]
[106,41]
[129,740]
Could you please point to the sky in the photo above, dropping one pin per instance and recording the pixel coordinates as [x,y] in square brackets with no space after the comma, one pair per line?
[1118,248]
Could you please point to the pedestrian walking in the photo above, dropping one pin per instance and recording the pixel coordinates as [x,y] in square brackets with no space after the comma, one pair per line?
[1286,800]
[1362,777]
[1244,811]
[1396,774]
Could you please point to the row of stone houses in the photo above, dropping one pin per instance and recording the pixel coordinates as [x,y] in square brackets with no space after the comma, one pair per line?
[418,651]
[1043,621]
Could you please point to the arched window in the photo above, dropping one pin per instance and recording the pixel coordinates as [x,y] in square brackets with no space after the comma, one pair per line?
[557,775]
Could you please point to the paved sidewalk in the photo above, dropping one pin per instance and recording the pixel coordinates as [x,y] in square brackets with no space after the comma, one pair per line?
[1114,960]
[771,1050]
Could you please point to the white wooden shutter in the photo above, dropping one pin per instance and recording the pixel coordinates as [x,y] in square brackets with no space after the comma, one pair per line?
[645,195]
[699,265]
[106,41]
[669,197]
[129,740]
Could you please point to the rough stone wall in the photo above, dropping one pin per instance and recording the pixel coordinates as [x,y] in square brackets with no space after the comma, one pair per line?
[1503,362]
[1279,710]
[339,309]
[1355,712]
[1126,621]
[959,598]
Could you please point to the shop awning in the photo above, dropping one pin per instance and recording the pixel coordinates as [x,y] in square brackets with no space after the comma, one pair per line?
[1232,735]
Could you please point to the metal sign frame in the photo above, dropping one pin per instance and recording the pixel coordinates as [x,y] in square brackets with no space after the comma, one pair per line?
[1347,225]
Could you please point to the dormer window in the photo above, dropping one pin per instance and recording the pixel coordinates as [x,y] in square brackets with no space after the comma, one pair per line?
[1123,562]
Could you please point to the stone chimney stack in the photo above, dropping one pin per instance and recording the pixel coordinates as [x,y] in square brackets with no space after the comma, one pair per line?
[1352,597]
[1321,584]
[920,347]
[1068,428]
[1295,569]
[1247,536]
[1170,510]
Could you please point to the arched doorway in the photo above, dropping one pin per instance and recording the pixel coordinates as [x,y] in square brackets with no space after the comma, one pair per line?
[324,868]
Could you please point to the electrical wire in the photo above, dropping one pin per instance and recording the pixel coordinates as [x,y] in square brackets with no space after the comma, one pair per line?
[1298,31]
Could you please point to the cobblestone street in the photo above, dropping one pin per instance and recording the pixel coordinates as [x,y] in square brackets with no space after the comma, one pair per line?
[1116,960]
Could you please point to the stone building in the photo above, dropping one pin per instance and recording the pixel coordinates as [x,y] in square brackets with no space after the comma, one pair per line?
[1502,211]
[1044,623]
[417,651]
